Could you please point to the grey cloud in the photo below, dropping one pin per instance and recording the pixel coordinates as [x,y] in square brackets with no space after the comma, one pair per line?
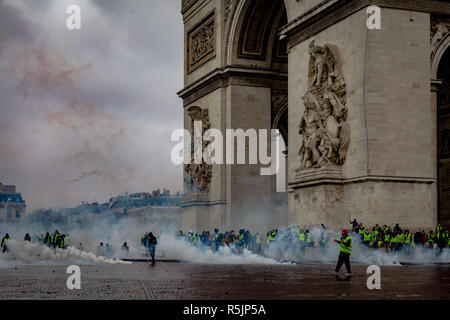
[135,50]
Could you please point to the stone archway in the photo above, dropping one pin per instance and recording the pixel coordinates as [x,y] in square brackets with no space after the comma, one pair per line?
[254,44]
[443,135]
[236,67]
[440,75]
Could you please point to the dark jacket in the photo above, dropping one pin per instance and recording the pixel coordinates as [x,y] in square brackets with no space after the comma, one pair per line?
[152,240]
[418,237]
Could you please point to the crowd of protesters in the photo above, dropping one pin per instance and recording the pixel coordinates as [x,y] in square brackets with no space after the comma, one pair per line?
[396,238]
[376,237]
[384,237]
[237,241]
[55,240]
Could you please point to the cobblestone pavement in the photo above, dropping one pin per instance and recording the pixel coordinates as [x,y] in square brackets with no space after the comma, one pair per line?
[169,281]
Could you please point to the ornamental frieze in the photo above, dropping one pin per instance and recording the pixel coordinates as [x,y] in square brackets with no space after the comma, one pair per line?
[201,45]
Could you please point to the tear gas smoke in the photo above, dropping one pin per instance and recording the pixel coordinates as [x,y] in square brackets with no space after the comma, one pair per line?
[287,248]
[27,252]
[181,250]
[87,234]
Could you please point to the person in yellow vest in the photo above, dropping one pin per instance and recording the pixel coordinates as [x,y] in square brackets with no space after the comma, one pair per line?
[240,241]
[56,239]
[271,236]
[407,242]
[387,239]
[194,239]
[301,240]
[440,238]
[215,240]
[323,238]
[48,239]
[430,239]
[366,237]
[258,242]
[400,240]
[373,239]
[361,231]
[394,241]
[375,232]
[380,239]
[309,239]
[345,251]
[3,243]
[61,241]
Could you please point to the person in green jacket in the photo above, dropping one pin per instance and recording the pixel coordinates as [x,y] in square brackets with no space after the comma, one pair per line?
[3,243]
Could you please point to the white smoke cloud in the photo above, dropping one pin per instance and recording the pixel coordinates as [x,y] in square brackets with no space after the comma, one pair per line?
[181,250]
[283,251]
[26,252]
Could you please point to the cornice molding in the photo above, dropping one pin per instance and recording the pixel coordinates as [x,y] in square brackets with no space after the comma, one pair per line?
[329,12]
[238,75]
[187,4]
[340,181]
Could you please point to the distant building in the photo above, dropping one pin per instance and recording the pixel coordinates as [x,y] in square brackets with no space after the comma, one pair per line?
[12,206]
[7,189]
[142,207]
[145,207]
[140,200]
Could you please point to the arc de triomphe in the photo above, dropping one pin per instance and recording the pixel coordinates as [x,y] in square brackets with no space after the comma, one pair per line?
[363,113]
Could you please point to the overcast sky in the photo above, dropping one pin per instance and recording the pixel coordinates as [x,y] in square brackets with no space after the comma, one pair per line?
[87,114]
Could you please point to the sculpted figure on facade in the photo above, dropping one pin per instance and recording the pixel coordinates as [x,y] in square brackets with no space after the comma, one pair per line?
[198,176]
[228,5]
[440,28]
[323,128]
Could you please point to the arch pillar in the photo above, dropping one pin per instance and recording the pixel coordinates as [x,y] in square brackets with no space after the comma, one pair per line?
[389,175]
[236,68]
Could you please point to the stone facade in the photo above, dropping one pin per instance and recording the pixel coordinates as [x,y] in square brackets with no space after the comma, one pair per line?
[369,147]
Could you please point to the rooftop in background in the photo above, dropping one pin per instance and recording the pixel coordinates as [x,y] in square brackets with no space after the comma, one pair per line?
[12,206]
[7,188]
[130,201]
[11,197]
[144,199]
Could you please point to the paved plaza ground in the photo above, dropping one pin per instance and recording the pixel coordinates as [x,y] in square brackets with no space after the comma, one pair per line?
[181,281]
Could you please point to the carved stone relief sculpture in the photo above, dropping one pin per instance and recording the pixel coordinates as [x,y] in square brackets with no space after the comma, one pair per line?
[198,176]
[201,46]
[228,5]
[440,28]
[323,128]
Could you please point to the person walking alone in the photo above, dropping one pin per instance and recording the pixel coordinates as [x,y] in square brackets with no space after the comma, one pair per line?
[152,246]
[344,252]
[3,243]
